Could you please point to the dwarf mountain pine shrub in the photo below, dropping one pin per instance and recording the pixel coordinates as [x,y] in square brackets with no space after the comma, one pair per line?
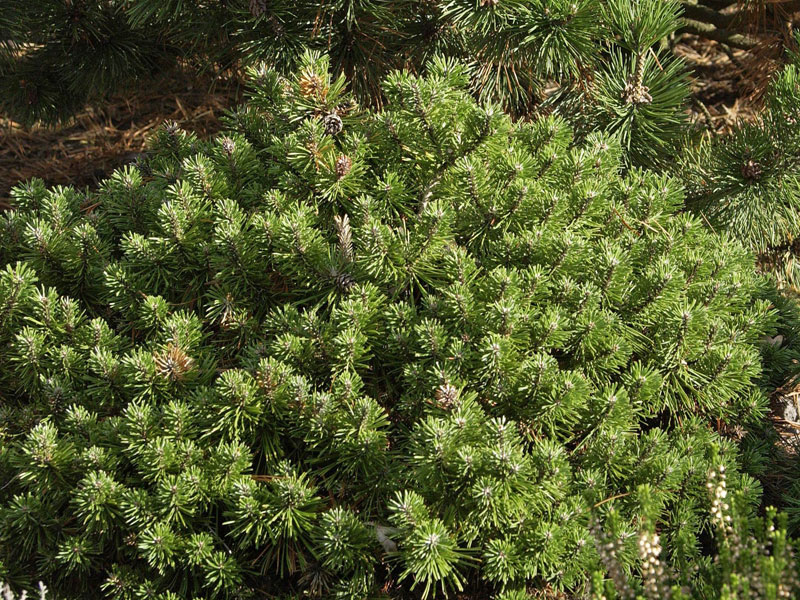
[337,351]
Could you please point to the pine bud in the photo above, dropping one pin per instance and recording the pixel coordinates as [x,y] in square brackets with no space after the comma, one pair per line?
[173,364]
[171,128]
[636,94]
[343,166]
[312,87]
[142,164]
[345,236]
[228,146]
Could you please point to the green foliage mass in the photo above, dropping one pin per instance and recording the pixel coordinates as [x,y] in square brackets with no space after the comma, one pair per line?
[335,348]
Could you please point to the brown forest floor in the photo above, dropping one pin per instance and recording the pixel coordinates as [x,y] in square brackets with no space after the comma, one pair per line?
[98,140]
[726,84]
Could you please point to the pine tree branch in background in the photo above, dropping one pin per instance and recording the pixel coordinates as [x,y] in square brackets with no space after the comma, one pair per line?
[716,21]
[733,39]
[734,23]
[694,10]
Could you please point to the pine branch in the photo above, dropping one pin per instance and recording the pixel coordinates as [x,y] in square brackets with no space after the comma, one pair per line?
[734,38]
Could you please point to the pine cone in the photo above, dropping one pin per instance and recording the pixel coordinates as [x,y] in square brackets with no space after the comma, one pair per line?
[446,396]
[258,7]
[332,123]
[342,281]
[751,170]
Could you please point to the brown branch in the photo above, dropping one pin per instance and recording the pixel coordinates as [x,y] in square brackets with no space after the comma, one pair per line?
[695,11]
[728,22]
[715,4]
[734,39]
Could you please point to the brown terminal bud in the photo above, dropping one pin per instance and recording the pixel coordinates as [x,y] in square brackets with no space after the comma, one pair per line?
[228,146]
[173,364]
[312,87]
[343,166]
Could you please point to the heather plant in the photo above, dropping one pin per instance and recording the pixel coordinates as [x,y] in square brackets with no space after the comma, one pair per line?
[753,556]
[346,352]
[8,594]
